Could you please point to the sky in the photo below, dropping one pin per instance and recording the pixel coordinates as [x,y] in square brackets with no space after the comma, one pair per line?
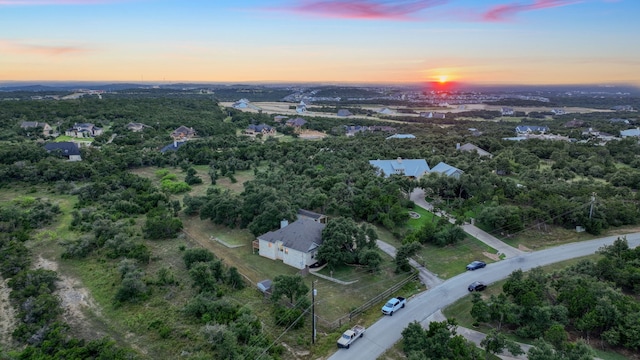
[328,41]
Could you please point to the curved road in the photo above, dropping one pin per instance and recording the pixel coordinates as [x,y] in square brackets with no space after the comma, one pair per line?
[387,331]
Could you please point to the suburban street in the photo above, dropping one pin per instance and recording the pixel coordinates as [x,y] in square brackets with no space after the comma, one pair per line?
[387,331]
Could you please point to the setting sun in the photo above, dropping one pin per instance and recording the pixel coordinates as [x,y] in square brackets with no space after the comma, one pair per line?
[443,79]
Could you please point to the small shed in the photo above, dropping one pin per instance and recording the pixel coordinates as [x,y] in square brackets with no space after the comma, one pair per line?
[265,286]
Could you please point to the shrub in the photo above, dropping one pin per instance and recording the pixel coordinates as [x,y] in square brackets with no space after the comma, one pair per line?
[192,256]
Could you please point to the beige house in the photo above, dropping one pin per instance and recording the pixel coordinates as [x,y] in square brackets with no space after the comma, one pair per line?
[296,244]
[46,128]
[183,133]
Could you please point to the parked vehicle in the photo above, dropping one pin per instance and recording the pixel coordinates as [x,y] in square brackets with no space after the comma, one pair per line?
[477,286]
[476,265]
[392,305]
[351,335]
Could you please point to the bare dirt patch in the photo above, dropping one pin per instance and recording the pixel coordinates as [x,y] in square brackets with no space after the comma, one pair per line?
[523,248]
[312,134]
[75,300]
[491,256]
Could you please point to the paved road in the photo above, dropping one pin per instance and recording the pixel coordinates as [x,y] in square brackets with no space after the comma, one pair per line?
[417,196]
[387,331]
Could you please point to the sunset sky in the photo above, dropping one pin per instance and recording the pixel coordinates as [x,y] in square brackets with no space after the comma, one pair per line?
[476,41]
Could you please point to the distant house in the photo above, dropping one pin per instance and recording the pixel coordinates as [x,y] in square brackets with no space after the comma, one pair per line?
[448,170]
[301,108]
[558,111]
[433,115]
[351,130]
[46,129]
[244,104]
[296,123]
[619,121]
[296,244]
[183,133]
[531,129]
[174,146]
[344,113]
[84,130]
[473,148]
[64,149]
[401,136]
[630,133]
[240,104]
[279,118]
[507,111]
[306,214]
[386,111]
[264,129]
[413,168]
[136,127]
[622,108]
[574,123]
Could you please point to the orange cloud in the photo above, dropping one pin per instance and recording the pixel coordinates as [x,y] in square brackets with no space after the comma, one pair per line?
[48,50]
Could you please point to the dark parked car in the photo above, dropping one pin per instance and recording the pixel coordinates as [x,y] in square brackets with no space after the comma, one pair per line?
[477,286]
[476,265]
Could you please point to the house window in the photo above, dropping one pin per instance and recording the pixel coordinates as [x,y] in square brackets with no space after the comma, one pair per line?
[286,251]
[269,244]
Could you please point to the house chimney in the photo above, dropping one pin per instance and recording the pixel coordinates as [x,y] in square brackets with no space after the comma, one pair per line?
[399,160]
[457,146]
[284,223]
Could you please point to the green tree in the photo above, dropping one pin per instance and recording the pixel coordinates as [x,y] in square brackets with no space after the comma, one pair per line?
[403,254]
[480,310]
[292,287]
[496,343]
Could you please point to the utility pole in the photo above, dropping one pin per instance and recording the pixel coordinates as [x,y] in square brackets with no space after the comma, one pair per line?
[593,201]
[313,312]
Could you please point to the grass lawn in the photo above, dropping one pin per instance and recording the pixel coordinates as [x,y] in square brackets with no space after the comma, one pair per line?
[449,261]
[425,216]
[203,173]
[238,186]
[62,138]
[386,236]
[334,300]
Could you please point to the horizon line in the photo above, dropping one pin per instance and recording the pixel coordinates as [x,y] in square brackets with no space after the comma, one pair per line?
[324,82]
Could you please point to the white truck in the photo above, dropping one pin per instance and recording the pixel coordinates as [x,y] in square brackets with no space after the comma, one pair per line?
[394,304]
[351,335]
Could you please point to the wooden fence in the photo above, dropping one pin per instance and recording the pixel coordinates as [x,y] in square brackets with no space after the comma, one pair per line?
[345,319]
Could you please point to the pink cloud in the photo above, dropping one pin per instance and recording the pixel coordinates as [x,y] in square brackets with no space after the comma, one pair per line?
[505,11]
[365,9]
[48,50]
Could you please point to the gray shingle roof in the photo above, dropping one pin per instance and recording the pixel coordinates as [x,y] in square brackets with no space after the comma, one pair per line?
[64,148]
[303,235]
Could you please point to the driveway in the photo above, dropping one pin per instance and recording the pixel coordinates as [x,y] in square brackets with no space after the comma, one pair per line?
[417,196]
[426,277]
[388,330]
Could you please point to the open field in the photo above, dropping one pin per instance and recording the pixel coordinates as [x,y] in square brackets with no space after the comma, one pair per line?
[282,108]
[202,171]
[451,260]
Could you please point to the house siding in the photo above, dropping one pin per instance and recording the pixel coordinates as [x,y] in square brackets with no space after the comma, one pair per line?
[266,250]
